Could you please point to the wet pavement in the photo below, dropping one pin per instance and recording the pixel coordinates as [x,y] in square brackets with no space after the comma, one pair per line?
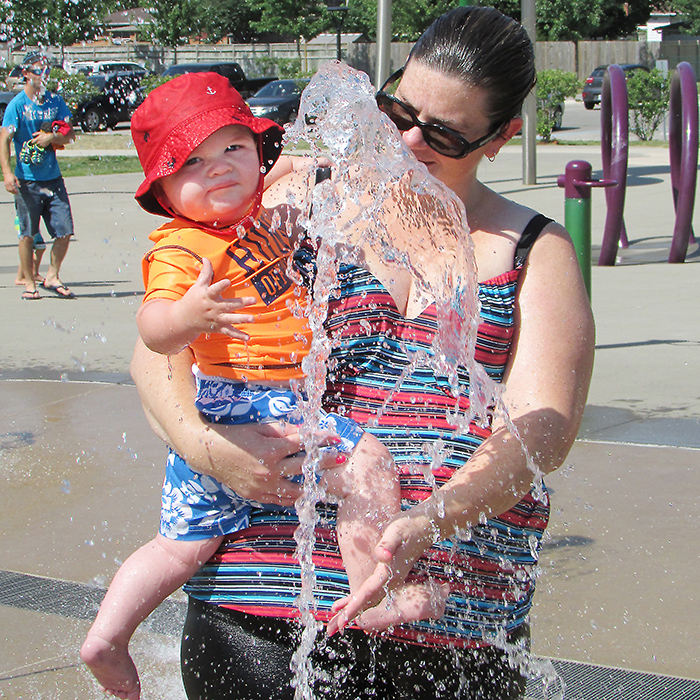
[81,470]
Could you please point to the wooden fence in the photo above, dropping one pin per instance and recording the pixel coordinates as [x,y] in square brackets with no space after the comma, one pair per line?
[258,59]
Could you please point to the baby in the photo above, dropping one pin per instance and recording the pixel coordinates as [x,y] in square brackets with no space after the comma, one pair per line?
[204,157]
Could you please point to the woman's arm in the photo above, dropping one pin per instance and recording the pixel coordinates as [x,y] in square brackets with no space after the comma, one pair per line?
[251,459]
[546,386]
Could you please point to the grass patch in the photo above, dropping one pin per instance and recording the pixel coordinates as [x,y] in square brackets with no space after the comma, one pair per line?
[78,166]
[517,141]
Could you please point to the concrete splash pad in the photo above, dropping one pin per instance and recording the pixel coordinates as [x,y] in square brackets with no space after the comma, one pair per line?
[81,473]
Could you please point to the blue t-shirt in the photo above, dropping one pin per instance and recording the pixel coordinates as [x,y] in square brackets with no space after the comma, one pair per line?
[24,117]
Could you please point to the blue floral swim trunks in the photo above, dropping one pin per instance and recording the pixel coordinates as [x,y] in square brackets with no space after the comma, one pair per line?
[196,506]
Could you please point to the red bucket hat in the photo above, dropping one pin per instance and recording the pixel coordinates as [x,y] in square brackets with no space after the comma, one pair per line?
[177,116]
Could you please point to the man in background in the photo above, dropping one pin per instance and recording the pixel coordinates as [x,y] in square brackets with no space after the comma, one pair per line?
[38,122]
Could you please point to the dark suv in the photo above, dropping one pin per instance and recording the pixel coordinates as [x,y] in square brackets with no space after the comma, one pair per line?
[229,69]
[120,95]
[594,82]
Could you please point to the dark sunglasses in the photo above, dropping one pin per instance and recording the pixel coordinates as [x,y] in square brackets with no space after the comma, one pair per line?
[441,139]
[37,71]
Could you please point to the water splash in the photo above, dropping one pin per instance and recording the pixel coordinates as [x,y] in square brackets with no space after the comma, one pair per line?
[381,199]
[377,182]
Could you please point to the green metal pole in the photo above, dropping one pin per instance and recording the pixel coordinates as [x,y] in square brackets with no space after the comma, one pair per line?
[577,183]
[577,219]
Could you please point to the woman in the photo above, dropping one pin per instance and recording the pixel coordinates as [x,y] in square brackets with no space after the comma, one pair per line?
[457,100]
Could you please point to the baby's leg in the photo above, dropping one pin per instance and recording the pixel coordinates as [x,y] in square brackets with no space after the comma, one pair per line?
[408,603]
[374,496]
[143,581]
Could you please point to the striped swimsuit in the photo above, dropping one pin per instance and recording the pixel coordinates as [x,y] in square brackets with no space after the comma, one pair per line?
[491,572]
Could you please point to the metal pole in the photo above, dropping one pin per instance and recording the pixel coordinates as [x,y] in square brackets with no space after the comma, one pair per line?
[528,19]
[383,41]
[338,12]
[577,212]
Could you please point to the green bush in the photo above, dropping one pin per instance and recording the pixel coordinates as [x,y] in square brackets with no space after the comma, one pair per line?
[553,87]
[280,67]
[74,89]
[648,95]
[151,82]
[4,71]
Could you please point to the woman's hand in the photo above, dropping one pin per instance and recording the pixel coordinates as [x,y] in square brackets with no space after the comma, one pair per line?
[255,460]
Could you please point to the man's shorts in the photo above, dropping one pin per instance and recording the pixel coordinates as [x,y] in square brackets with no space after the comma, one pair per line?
[39,243]
[195,506]
[47,200]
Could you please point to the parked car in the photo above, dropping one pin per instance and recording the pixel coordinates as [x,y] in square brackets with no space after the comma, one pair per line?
[229,69]
[14,80]
[121,95]
[5,99]
[96,67]
[557,116]
[594,82]
[278,100]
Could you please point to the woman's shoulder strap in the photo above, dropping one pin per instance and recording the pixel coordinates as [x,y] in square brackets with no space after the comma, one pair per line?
[527,240]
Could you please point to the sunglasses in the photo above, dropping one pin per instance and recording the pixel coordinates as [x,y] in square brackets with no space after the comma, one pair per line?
[37,71]
[441,139]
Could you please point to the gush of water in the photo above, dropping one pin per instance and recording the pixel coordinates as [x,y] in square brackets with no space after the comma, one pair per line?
[378,182]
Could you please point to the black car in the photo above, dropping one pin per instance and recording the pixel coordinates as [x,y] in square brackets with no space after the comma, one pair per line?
[120,95]
[594,82]
[278,100]
[229,69]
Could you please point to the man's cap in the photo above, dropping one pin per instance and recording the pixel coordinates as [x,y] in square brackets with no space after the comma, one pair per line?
[179,115]
[34,57]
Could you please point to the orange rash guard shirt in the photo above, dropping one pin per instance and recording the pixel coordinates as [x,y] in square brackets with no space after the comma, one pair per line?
[256,264]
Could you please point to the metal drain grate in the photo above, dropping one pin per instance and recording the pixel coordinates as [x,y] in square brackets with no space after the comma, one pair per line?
[583,681]
[589,682]
[70,599]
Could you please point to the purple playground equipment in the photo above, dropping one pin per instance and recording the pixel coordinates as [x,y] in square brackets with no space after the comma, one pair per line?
[683,147]
[614,142]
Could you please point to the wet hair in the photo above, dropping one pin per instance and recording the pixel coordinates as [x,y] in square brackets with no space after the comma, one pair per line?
[487,50]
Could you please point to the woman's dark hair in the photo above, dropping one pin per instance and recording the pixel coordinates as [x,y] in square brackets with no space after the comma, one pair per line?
[486,49]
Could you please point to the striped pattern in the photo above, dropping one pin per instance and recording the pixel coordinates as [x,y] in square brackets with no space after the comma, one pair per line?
[491,573]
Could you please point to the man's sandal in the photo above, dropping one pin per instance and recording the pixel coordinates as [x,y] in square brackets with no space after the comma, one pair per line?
[59,289]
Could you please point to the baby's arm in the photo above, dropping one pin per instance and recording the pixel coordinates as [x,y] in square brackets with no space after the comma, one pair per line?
[168,326]
[145,579]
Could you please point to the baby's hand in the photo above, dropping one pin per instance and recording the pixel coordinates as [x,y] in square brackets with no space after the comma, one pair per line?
[208,312]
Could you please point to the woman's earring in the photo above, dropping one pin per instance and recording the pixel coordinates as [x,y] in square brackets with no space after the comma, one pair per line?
[491,158]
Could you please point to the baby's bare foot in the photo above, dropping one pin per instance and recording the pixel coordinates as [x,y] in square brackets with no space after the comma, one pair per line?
[112,666]
[410,603]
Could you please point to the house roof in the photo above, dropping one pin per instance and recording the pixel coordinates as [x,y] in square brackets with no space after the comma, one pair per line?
[127,18]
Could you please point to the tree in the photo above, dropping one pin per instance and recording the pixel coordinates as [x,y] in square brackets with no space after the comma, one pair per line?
[173,22]
[572,20]
[54,23]
[409,19]
[296,19]
[690,9]
[559,20]
[232,18]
